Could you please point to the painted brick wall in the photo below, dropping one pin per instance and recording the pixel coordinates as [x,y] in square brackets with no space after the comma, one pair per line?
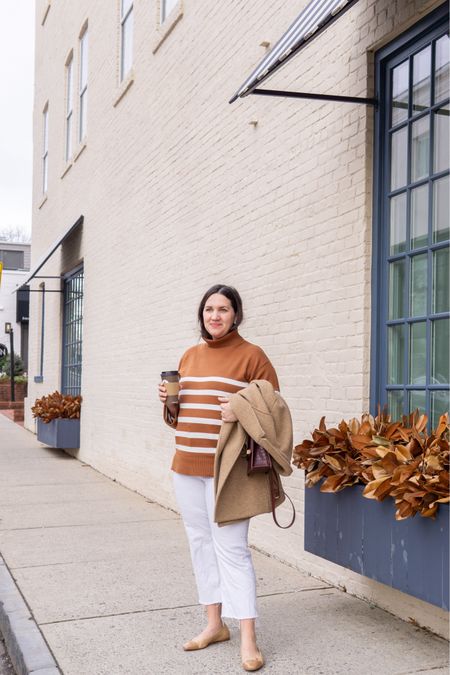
[180,190]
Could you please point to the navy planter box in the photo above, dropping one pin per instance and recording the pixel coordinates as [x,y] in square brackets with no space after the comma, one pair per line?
[59,433]
[361,534]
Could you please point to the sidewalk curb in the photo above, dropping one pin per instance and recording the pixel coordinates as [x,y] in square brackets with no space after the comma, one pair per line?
[25,644]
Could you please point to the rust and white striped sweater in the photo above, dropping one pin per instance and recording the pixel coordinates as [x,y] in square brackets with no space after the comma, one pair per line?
[209,370]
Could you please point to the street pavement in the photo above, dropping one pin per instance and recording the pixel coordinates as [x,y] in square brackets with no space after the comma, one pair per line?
[5,663]
[97,581]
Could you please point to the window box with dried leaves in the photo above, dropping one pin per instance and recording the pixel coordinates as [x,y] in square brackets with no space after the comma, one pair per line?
[406,469]
[58,420]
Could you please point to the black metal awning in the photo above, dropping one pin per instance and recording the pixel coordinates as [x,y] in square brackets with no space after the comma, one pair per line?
[316,17]
[51,251]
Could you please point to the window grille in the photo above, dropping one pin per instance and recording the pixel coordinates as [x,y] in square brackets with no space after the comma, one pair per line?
[72,334]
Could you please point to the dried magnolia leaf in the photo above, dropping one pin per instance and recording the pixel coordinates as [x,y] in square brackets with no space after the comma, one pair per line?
[332,483]
[433,463]
[329,459]
[383,490]
[421,423]
[402,473]
[402,453]
[366,427]
[369,490]
[379,440]
[382,452]
[379,471]
[429,512]
[359,442]
[404,510]
[354,426]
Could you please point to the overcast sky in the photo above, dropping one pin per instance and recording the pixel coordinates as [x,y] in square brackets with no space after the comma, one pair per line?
[16,110]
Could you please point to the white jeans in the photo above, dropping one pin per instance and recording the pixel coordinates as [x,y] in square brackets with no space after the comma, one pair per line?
[221,558]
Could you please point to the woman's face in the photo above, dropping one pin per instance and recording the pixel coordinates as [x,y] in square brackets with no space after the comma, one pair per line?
[218,315]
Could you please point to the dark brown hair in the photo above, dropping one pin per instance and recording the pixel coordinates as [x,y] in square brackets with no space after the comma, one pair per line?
[234,298]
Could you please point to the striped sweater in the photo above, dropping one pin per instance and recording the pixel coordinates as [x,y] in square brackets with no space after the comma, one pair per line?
[209,370]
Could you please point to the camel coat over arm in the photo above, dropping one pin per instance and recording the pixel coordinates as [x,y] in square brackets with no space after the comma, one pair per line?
[264,415]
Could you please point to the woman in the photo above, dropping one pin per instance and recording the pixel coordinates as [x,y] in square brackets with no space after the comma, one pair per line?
[210,373]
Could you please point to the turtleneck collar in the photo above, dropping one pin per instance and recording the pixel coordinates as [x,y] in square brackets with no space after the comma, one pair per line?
[230,339]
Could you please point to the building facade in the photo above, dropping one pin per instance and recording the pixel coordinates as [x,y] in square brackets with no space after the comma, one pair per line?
[14,308]
[330,218]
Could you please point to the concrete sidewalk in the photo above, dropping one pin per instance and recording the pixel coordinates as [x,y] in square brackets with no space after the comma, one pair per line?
[106,577]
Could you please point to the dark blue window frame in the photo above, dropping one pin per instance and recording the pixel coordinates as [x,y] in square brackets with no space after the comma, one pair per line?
[72,332]
[431,27]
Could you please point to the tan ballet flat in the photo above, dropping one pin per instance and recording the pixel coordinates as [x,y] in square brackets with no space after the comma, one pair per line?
[222,635]
[251,665]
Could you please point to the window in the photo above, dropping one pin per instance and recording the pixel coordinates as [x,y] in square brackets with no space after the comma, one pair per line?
[83,93]
[69,108]
[126,37]
[411,296]
[72,333]
[45,150]
[12,260]
[166,7]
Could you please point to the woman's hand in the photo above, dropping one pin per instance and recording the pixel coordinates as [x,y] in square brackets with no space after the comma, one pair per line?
[162,392]
[227,413]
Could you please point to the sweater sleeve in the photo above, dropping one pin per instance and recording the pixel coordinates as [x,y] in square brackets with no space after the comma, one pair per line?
[266,371]
[260,368]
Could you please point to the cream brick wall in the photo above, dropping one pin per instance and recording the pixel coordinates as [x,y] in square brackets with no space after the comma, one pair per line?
[180,191]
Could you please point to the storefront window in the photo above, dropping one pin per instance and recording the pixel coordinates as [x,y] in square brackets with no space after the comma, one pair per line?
[411,364]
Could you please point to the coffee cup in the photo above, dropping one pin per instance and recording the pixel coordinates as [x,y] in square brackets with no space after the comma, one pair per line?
[171,380]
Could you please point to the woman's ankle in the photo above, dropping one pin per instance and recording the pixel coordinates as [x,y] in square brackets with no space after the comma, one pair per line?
[214,617]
